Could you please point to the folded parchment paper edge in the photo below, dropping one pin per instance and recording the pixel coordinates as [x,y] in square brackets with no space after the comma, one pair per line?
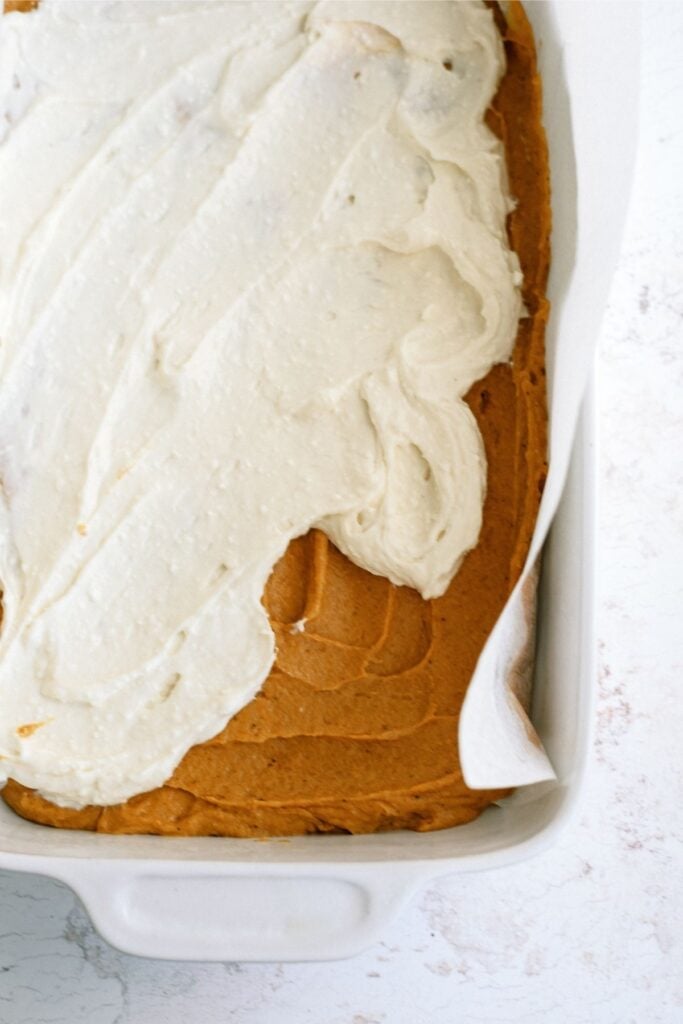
[589,64]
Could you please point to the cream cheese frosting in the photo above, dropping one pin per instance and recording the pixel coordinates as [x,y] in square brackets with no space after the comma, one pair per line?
[253,257]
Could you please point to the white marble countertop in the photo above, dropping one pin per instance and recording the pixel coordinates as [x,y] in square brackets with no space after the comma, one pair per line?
[591,931]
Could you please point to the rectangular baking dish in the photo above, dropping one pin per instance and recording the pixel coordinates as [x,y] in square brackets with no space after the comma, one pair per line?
[325,897]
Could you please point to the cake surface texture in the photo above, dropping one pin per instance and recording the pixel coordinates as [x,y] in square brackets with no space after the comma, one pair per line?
[272,422]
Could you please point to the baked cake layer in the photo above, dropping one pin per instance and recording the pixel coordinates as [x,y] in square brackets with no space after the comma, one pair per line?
[355,728]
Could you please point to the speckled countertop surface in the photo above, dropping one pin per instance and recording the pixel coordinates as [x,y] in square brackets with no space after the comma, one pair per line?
[592,931]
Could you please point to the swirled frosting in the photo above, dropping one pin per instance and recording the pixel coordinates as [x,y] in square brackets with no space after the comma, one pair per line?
[253,256]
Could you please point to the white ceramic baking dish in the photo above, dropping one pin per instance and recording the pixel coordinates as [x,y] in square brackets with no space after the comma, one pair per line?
[323,897]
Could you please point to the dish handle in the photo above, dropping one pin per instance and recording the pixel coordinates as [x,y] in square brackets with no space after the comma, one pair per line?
[243,912]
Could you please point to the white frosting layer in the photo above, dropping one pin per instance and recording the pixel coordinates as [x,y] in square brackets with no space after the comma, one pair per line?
[252,257]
